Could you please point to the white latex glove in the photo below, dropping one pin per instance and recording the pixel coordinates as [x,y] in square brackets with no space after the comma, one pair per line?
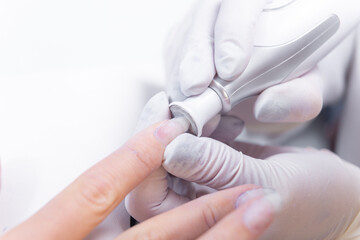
[161,191]
[217,37]
[321,192]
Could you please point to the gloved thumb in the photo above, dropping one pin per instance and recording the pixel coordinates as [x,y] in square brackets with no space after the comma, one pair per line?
[297,100]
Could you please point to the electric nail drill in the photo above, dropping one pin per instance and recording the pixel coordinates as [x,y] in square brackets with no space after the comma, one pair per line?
[291,37]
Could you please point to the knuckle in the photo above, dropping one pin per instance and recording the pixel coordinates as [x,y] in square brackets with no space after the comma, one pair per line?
[209,216]
[149,234]
[140,157]
[97,191]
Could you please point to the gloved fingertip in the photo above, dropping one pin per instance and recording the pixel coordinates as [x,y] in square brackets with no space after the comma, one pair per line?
[179,155]
[192,89]
[195,74]
[195,81]
[230,60]
[228,129]
[155,110]
[160,97]
[283,104]
[270,110]
[174,93]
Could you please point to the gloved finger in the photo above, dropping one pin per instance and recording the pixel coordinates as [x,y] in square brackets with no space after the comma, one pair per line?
[155,110]
[175,37]
[197,68]
[234,34]
[263,152]
[228,129]
[173,51]
[190,220]
[208,162]
[297,100]
[211,163]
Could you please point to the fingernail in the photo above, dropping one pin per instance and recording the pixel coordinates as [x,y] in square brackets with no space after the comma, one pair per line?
[260,213]
[170,129]
[251,195]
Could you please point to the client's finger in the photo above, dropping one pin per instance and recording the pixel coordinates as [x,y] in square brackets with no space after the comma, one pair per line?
[256,210]
[190,220]
[153,195]
[91,197]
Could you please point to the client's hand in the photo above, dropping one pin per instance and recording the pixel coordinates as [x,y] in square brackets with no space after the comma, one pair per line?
[320,191]
[74,212]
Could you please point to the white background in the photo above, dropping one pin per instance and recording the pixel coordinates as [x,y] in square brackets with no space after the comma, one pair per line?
[74,75]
